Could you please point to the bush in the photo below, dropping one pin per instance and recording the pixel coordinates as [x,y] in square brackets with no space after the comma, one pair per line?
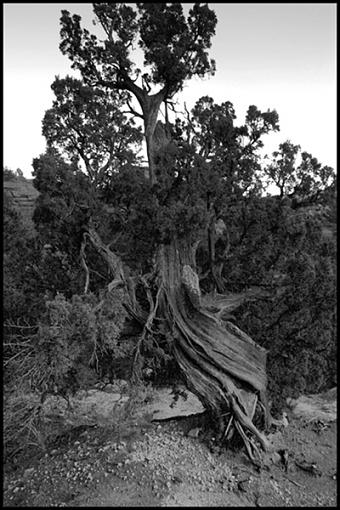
[72,339]
[298,324]
[21,423]
[61,355]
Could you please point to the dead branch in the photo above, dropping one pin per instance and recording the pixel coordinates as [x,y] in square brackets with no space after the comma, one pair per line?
[149,322]
[83,263]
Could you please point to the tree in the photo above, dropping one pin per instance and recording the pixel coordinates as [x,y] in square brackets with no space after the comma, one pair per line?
[22,285]
[15,242]
[290,252]
[221,364]
[306,180]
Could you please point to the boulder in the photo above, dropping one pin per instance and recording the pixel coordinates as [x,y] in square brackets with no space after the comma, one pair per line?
[164,405]
[92,407]
[322,406]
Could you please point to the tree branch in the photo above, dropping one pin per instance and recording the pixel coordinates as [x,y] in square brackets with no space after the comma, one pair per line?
[136,114]
[83,263]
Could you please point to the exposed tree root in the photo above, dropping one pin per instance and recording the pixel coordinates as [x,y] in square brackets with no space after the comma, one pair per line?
[147,327]
[119,274]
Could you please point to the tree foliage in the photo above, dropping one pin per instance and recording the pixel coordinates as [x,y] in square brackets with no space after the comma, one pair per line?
[87,124]
[306,179]
[174,48]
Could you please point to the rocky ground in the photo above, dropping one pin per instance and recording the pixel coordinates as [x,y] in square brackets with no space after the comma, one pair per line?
[171,463]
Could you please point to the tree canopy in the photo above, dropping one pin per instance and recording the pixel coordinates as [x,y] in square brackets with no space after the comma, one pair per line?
[87,124]
[175,49]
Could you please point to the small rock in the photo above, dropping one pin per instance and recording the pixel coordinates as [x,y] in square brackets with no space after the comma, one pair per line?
[275,458]
[28,472]
[16,489]
[285,421]
[110,388]
[122,383]
[194,432]
[243,485]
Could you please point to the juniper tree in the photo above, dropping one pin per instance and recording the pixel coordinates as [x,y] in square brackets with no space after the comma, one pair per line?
[190,171]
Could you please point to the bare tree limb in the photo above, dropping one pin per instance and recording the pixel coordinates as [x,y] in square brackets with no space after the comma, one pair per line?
[83,263]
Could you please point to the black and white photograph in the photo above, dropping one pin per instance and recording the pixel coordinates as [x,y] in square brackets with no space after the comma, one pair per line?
[169,255]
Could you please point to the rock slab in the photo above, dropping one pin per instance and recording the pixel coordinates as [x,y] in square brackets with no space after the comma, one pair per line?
[164,405]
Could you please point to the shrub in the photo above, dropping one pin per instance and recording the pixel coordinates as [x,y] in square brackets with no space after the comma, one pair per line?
[21,423]
[58,356]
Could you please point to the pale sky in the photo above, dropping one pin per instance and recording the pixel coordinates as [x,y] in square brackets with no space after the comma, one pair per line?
[277,56]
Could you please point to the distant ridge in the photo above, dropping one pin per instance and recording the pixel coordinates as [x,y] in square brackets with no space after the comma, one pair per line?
[23,196]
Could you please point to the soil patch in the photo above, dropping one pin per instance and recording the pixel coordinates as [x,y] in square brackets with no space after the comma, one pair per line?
[162,465]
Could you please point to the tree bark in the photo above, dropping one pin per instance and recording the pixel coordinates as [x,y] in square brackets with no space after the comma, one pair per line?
[150,107]
[220,362]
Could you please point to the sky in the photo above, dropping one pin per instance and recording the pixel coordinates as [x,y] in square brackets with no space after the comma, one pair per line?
[276,56]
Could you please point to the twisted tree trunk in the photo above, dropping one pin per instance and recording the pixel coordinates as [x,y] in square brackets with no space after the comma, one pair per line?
[222,365]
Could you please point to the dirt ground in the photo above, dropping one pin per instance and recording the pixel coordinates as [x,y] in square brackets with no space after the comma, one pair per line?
[161,465]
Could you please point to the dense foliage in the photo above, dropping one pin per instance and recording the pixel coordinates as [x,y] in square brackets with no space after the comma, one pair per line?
[292,255]
[284,246]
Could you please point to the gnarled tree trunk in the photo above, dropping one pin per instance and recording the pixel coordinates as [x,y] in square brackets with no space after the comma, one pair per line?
[224,367]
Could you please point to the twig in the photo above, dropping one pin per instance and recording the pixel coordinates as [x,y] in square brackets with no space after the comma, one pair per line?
[294,482]
[228,427]
[311,468]
[12,358]
[19,344]
[10,325]
[245,440]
